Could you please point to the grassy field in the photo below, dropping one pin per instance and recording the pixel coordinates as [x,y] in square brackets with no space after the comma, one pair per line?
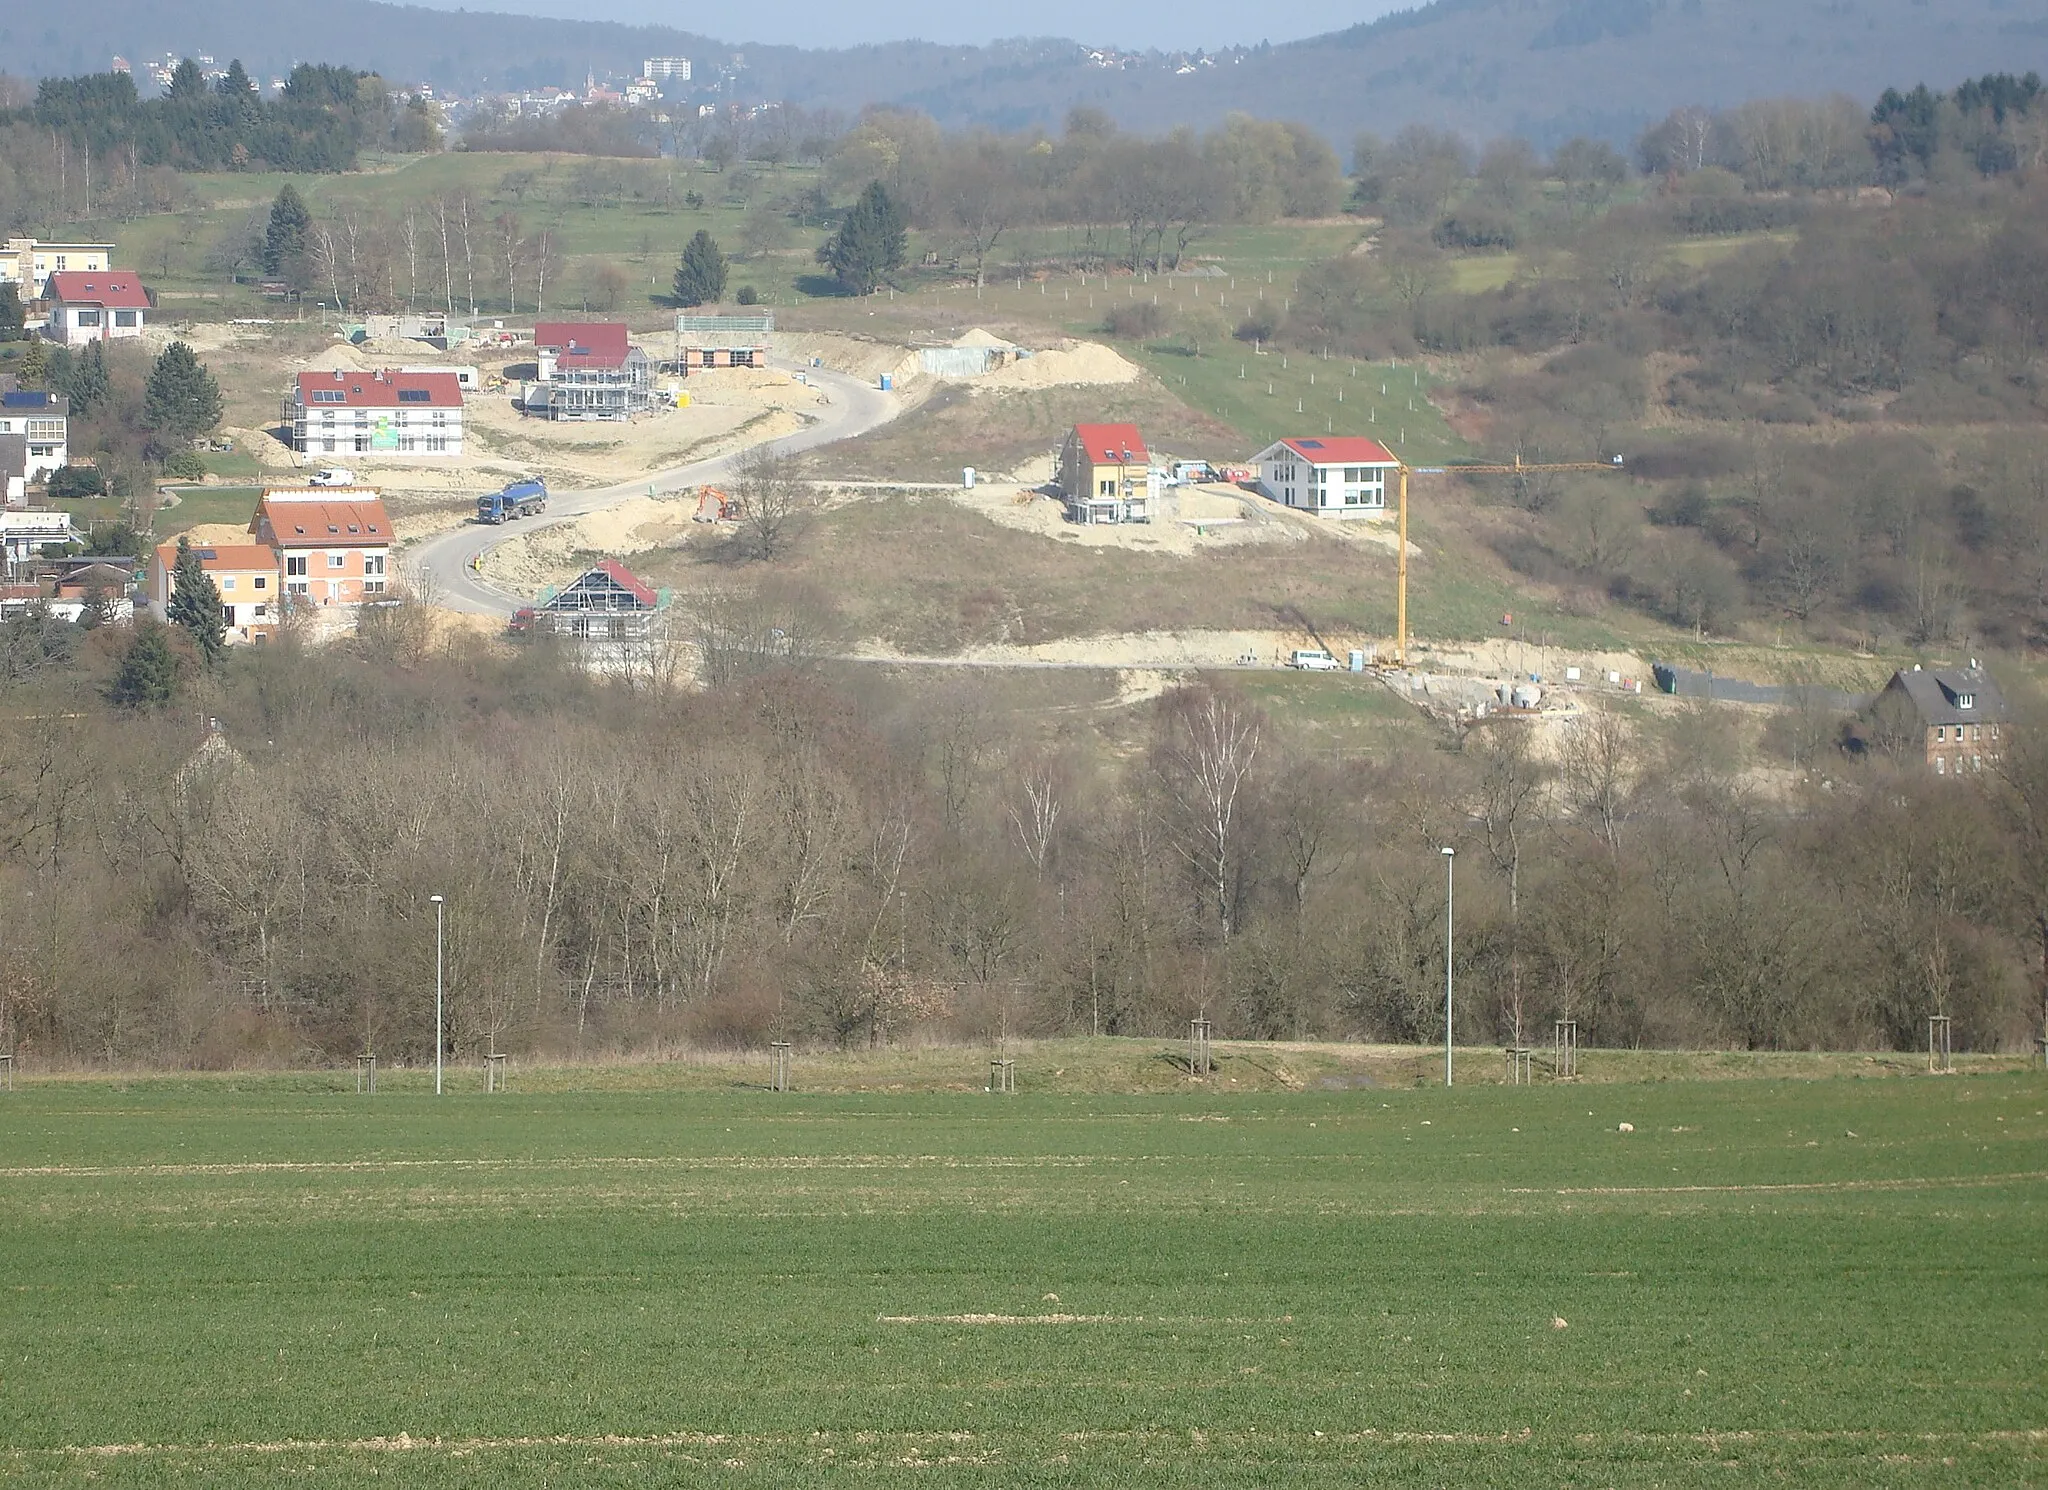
[242,1280]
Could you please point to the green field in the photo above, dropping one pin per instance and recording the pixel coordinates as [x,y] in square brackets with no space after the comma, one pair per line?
[656,1280]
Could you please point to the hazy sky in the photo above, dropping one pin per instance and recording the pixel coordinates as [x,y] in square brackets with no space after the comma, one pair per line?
[815,23]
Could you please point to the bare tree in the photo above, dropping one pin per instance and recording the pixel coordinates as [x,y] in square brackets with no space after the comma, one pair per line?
[776,503]
[1208,740]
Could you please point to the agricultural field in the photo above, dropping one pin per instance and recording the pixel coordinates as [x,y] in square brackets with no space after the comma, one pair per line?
[1309,1269]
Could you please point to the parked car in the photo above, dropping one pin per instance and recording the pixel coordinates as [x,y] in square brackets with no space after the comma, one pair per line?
[332,476]
[1312,659]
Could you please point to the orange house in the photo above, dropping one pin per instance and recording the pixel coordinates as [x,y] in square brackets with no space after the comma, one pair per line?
[333,543]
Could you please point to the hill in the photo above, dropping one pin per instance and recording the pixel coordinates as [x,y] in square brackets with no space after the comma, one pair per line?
[1545,69]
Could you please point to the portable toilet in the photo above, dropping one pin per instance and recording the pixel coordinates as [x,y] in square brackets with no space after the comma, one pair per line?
[888,383]
[967,478]
[1357,660]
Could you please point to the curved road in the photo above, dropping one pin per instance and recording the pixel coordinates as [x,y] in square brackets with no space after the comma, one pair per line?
[450,559]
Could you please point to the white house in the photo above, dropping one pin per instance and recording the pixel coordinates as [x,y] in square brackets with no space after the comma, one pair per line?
[409,415]
[87,307]
[1336,476]
[25,532]
[43,420]
[27,263]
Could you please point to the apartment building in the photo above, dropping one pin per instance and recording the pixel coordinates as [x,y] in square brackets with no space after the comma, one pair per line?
[404,415]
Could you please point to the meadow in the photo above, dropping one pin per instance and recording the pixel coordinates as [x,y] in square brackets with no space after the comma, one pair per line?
[1276,1277]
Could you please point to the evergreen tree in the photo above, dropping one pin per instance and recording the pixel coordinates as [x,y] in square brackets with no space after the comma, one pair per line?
[195,602]
[149,669]
[700,278]
[182,399]
[34,369]
[284,238]
[870,243]
[235,84]
[12,315]
[187,81]
[87,383]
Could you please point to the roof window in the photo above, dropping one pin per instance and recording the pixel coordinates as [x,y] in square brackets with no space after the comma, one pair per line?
[1966,701]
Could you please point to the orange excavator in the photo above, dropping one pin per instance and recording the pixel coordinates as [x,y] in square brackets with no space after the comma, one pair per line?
[715,506]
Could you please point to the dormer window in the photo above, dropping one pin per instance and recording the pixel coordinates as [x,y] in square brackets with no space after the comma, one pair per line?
[1966,701]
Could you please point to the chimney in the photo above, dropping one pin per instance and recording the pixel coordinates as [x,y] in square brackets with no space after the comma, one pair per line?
[337,375]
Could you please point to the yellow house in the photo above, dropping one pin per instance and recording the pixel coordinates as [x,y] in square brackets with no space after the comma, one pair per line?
[25,262]
[246,574]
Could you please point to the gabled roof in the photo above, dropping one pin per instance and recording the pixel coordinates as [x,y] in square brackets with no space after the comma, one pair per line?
[1336,450]
[341,522]
[115,289]
[1937,694]
[610,582]
[584,343]
[379,390]
[1115,444]
[97,576]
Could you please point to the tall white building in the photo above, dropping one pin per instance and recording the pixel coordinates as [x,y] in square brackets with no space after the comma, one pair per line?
[665,69]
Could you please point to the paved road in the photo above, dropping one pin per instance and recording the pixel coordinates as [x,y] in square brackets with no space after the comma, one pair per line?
[449,560]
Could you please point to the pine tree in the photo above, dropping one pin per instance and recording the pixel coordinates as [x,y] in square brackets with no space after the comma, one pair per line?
[12,313]
[870,243]
[87,384]
[149,669]
[235,83]
[187,81]
[34,368]
[284,237]
[195,602]
[182,399]
[700,278]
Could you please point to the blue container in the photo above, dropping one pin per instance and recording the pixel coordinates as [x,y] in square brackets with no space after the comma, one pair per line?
[887,383]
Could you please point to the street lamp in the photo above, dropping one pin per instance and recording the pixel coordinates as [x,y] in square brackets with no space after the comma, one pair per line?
[1450,904]
[439,907]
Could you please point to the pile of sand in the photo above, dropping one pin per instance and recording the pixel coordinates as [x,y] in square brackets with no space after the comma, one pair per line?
[549,556]
[982,338]
[338,357]
[1070,363]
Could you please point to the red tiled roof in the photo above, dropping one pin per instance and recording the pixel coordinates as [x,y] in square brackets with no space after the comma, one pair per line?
[113,289]
[627,580]
[586,343]
[299,522]
[1112,443]
[379,390]
[1342,450]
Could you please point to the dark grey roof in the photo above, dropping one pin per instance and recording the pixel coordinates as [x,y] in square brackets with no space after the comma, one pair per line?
[1937,693]
[36,400]
[13,456]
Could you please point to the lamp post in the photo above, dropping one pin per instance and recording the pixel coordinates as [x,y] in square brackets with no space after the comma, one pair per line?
[1450,907]
[439,907]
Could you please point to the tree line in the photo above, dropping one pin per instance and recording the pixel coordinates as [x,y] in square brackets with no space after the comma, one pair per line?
[321,121]
[841,859]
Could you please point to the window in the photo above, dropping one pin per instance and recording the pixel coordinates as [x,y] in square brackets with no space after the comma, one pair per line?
[86,317]
[437,442]
[407,442]
[296,587]
[1941,765]
[337,561]
[295,564]
[373,563]
[1941,733]
[1966,701]
[1976,732]
[262,582]
[125,318]
[46,429]
[440,418]
[373,587]
[1976,762]
[227,582]
[261,610]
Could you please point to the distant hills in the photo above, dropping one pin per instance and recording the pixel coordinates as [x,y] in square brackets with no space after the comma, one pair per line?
[1545,69]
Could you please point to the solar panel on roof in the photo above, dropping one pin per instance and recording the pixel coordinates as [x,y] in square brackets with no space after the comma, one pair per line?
[1310,444]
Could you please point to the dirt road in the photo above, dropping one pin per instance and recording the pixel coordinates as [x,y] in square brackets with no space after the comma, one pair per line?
[449,561]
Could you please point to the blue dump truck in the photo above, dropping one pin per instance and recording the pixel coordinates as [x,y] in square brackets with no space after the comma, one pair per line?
[520,499]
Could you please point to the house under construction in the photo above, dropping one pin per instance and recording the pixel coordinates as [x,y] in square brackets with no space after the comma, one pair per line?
[706,341]
[607,603]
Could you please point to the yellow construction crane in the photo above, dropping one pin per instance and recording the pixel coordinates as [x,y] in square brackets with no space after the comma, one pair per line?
[1519,468]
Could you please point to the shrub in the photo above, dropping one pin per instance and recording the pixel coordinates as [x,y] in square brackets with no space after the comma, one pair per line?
[748,295]
[185,465]
[1135,320]
[1260,324]
[1475,226]
[77,481]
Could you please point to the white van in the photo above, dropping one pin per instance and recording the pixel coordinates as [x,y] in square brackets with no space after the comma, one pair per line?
[332,476]
[1312,659]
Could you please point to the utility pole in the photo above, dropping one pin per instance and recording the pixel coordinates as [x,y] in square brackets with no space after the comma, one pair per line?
[1450,905]
[439,907]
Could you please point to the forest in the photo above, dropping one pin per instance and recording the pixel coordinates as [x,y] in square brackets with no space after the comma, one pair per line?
[799,851]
